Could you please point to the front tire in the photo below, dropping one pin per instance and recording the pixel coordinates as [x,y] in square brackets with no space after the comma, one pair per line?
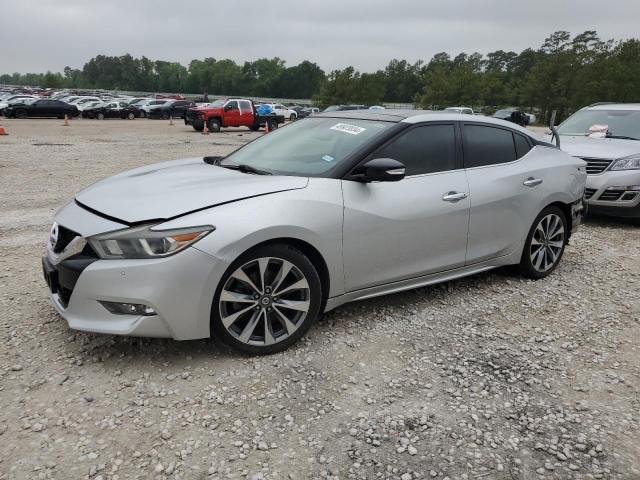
[213,125]
[131,115]
[267,300]
[21,113]
[545,243]
[100,116]
[293,117]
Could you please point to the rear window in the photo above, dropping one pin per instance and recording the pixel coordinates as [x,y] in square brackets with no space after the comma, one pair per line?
[485,145]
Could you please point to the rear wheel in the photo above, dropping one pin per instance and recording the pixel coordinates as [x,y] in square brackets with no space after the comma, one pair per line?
[267,300]
[213,124]
[131,115]
[198,126]
[165,115]
[293,117]
[100,116]
[545,243]
[273,124]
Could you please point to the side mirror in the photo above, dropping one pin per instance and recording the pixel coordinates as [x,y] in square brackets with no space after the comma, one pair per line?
[383,170]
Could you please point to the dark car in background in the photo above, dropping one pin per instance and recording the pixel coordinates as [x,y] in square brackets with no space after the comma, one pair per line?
[112,110]
[171,108]
[512,115]
[343,108]
[42,109]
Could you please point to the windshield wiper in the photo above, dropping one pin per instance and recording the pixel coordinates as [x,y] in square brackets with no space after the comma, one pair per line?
[246,169]
[622,137]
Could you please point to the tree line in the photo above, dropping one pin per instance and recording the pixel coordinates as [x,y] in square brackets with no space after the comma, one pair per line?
[564,73]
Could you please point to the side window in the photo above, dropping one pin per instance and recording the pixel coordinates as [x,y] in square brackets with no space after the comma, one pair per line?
[245,106]
[484,145]
[522,145]
[423,149]
[233,105]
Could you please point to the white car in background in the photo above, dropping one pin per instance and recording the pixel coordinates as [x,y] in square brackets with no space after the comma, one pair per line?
[607,137]
[91,104]
[280,109]
[147,105]
[82,100]
[464,110]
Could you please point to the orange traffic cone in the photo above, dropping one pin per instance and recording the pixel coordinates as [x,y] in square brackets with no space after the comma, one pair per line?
[171,120]
[266,127]
[3,131]
[66,120]
[205,130]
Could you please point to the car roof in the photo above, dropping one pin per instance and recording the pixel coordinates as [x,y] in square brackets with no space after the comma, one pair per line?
[614,106]
[417,116]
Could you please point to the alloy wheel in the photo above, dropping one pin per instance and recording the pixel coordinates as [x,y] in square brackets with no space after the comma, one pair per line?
[547,243]
[264,301]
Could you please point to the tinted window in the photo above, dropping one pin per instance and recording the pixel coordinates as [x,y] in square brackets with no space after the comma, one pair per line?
[232,105]
[425,149]
[487,146]
[522,145]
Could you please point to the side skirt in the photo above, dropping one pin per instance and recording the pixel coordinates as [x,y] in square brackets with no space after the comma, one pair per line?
[416,282]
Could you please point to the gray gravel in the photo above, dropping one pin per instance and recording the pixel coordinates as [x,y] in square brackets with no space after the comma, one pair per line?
[491,377]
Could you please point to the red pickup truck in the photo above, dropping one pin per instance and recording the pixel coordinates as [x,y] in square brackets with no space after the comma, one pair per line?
[232,112]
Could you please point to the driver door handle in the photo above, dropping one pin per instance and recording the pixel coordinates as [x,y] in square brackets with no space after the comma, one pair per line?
[532,182]
[454,196]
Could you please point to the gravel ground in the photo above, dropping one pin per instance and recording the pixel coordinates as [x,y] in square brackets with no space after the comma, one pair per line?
[491,377]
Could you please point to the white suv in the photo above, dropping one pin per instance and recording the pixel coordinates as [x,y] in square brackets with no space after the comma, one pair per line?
[607,137]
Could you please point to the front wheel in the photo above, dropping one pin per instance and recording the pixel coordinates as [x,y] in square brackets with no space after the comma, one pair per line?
[213,125]
[267,300]
[273,124]
[293,117]
[131,115]
[100,116]
[545,243]
[21,113]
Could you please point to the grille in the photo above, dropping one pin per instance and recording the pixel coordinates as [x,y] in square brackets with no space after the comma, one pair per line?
[611,195]
[64,238]
[596,165]
[588,192]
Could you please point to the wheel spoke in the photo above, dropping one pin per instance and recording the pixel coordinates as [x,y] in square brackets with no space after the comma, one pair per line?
[285,268]
[250,326]
[241,276]
[540,257]
[556,244]
[301,284]
[288,324]
[263,263]
[230,319]
[229,296]
[299,305]
[268,335]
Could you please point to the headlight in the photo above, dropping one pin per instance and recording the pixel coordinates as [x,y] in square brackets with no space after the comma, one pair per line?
[627,163]
[144,242]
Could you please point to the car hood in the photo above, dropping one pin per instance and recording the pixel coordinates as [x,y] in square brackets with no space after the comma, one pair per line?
[167,190]
[605,148]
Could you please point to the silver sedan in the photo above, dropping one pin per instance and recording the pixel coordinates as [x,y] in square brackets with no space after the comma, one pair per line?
[253,247]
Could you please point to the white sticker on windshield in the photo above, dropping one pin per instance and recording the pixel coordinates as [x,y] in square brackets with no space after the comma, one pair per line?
[346,128]
[327,158]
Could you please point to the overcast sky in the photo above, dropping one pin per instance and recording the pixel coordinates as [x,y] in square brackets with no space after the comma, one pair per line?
[39,35]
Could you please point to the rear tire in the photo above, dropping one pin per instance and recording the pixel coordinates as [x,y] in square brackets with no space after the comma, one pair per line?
[293,117]
[131,115]
[213,124]
[100,116]
[545,244]
[198,127]
[165,115]
[273,124]
[260,322]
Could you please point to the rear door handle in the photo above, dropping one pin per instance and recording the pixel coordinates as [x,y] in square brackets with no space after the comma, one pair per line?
[532,182]
[454,196]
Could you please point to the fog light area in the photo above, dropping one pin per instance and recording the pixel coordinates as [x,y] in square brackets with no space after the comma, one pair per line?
[118,308]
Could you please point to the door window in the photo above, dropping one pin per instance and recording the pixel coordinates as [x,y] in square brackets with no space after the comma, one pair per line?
[485,145]
[423,149]
[233,105]
[522,145]
[245,106]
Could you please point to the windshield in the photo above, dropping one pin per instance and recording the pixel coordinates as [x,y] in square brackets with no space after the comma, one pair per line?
[158,102]
[624,123]
[309,147]
[217,103]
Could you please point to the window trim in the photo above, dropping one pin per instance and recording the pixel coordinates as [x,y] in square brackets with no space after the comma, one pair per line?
[500,127]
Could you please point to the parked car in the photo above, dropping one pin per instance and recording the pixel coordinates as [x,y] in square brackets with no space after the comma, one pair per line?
[287,113]
[342,108]
[512,115]
[82,100]
[15,99]
[251,248]
[41,108]
[146,105]
[171,108]
[231,112]
[89,105]
[464,110]
[607,137]
[112,110]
